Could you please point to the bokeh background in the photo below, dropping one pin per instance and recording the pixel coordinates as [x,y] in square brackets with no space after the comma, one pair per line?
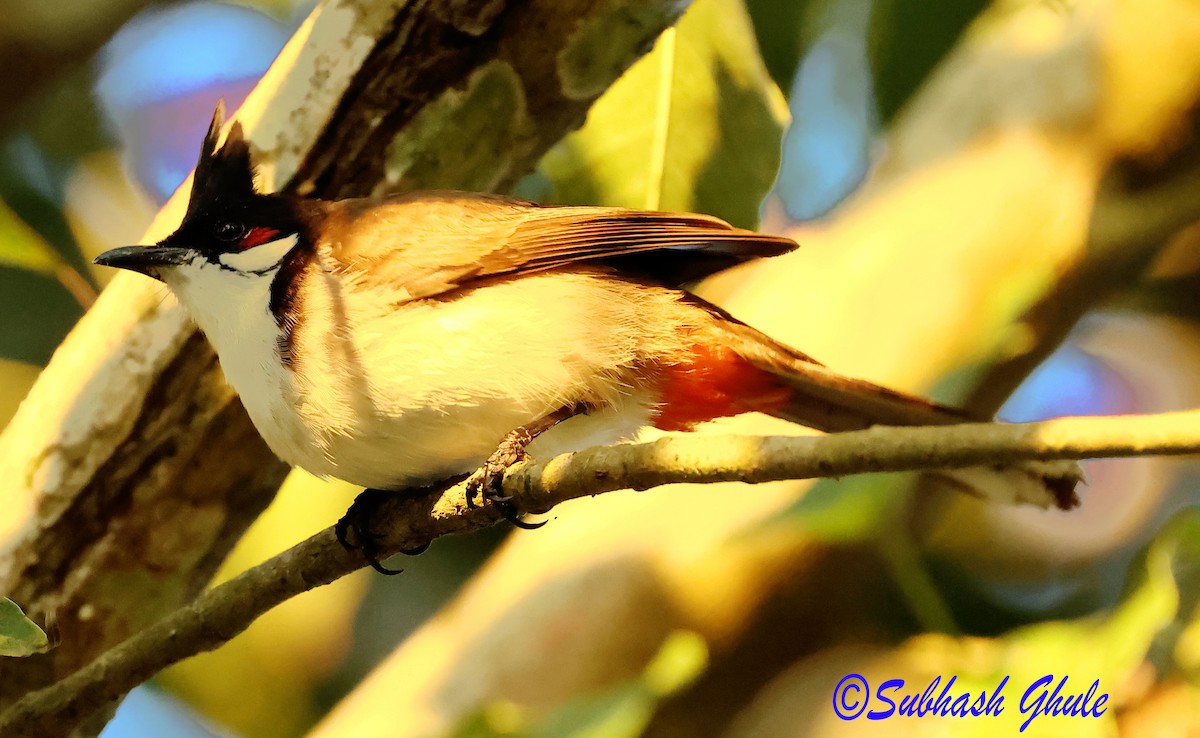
[103,107]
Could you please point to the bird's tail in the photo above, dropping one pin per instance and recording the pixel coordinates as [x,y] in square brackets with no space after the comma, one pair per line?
[817,397]
[823,399]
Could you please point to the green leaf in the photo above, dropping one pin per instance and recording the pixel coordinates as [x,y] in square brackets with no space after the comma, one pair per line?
[1146,645]
[622,711]
[22,247]
[35,314]
[845,510]
[694,125]
[626,710]
[780,29]
[907,40]
[19,636]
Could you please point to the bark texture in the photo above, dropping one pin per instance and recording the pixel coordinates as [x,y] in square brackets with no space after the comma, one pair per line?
[133,463]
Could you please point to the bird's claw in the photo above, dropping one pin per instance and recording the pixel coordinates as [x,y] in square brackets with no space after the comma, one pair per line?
[354,530]
[487,481]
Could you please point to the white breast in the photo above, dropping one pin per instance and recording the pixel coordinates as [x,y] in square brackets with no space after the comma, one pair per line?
[391,397]
[233,311]
[411,395]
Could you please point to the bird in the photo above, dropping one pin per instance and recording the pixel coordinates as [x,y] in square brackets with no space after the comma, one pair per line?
[398,342]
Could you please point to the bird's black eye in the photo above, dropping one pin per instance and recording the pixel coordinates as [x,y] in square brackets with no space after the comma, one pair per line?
[230,230]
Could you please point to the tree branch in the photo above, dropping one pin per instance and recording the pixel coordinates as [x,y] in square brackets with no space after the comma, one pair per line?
[1140,205]
[221,613]
[920,282]
[106,459]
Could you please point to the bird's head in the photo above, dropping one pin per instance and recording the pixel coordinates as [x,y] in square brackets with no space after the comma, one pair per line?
[230,230]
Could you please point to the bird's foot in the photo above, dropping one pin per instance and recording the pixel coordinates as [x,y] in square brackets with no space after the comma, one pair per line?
[355,531]
[487,481]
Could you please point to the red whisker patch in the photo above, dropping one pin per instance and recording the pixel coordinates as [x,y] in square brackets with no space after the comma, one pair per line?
[257,237]
[715,382]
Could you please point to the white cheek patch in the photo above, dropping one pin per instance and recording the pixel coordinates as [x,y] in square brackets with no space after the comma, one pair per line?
[261,258]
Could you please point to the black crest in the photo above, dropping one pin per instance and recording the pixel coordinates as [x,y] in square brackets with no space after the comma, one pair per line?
[223,176]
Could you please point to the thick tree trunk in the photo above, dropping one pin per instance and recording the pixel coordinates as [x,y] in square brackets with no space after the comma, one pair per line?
[133,462]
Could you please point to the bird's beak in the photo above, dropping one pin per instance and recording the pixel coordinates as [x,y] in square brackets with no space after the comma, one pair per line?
[144,259]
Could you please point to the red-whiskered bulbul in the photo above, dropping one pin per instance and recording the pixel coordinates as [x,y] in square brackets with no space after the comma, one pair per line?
[399,342]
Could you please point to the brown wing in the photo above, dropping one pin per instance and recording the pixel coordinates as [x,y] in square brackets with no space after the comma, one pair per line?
[434,242]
